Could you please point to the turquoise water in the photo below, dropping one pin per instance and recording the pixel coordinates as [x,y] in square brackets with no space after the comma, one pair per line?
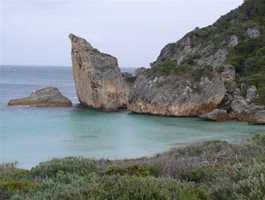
[31,135]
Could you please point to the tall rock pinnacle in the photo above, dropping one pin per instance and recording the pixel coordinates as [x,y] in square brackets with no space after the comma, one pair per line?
[98,80]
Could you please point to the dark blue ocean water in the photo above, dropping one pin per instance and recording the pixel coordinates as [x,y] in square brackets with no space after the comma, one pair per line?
[31,135]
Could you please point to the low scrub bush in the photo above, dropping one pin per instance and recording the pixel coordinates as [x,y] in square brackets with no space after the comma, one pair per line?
[171,66]
[135,170]
[210,170]
[118,188]
[80,166]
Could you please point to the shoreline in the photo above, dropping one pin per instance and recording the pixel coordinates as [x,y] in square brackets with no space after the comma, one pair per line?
[171,148]
[202,171]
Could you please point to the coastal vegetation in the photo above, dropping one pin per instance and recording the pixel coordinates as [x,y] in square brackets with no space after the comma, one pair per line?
[170,66]
[238,37]
[214,170]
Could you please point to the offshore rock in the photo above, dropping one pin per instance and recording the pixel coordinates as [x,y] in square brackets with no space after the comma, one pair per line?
[98,80]
[45,97]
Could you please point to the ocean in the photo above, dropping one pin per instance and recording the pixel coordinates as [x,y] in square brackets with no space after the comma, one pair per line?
[32,135]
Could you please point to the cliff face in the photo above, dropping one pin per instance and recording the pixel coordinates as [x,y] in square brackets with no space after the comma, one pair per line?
[208,68]
[98,80]
[176,95]
[219,68]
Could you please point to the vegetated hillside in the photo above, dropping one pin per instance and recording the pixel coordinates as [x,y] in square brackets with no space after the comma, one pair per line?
[206,171]
[219,68]
[236,40]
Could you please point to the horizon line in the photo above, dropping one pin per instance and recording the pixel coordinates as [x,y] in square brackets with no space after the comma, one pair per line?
[33,65]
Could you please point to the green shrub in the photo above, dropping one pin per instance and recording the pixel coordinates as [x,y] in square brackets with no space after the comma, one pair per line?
[135,170]
[12,187]
[77,165]
[198,174]
[254,8]
[171,66]
[17,185]
[122,188]
[14,174]
[252,187]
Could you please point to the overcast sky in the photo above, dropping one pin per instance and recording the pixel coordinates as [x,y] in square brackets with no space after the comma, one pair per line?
[35,32]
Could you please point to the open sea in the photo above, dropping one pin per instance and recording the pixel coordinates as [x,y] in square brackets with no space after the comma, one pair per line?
[32,135]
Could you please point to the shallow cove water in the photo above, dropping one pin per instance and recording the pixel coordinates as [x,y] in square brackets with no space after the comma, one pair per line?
[32,135]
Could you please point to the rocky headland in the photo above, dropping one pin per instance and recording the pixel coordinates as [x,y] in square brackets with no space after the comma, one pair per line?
[44,97]
[216,72]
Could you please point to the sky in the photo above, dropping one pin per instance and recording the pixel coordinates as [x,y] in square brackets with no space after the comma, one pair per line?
[35,32]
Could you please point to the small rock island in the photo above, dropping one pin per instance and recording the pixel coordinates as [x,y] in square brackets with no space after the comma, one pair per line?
[44,97]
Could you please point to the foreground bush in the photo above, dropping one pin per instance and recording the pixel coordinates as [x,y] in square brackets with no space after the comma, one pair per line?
[115,188]
[206,171]
[77,165]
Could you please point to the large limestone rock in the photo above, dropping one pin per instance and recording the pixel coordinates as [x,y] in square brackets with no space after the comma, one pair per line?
[175,94]
[45,97]
[98,79]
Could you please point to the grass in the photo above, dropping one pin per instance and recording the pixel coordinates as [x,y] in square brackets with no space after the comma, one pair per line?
[213,170]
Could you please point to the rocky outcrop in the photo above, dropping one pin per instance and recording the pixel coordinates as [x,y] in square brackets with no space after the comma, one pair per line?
[176,95]
[45,97]
[216,72]
[259,118]
[98,80]
[251,94]
[235,106]
[216,115]
[228,74]
[203,71]
[253,33]
[187,79]
[129,80]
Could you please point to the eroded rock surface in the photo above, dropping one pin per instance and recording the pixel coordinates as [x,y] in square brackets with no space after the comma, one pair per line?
[98,79]
[175,95]
[253,33]
[259,118]
[218,67]
[203,70]
[251,94]
[45,97]
[236,106]
[216,115]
